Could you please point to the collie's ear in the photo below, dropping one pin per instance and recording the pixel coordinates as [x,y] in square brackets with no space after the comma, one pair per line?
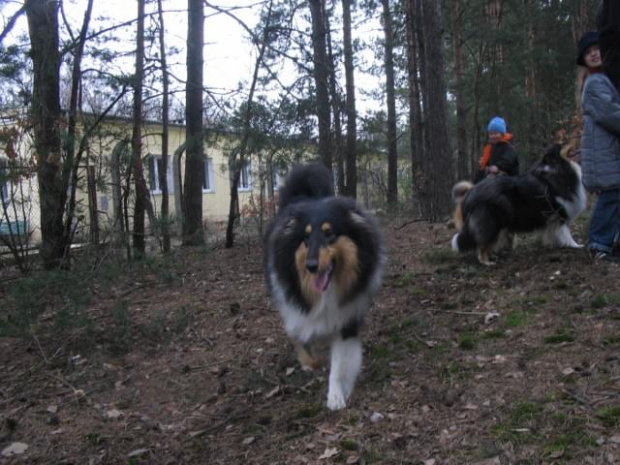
[358,218]
[290,226]
[553,151]
[571,148]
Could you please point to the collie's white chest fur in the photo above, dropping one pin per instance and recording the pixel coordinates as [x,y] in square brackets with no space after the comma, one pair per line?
[325,319]
[328,316]
[575,206]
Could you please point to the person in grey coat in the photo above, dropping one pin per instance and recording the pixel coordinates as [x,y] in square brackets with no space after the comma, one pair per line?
[600,149]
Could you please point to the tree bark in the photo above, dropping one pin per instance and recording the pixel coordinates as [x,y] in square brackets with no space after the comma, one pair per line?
[139,239]
[392,181]
[533,133]
[165,110]
[351,150]
[463,165]
[91,182]
[336,104]
[415,73]
[72,161]
[321,79]
[45,111]
[440,171]
[436,170]
[194,160]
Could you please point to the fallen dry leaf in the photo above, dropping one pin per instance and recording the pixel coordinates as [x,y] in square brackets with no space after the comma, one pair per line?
[17,448]
[329,453]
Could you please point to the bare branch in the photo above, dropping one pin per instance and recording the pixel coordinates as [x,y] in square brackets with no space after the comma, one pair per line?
[12,22]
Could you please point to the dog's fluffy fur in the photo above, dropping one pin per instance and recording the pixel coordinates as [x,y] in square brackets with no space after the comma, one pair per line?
[545,199]
[324,260]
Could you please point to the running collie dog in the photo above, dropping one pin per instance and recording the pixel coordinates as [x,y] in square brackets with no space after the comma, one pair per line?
[545,199]
[324,259]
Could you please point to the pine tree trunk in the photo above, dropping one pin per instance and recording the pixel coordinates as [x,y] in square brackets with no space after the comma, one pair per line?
[72,160]
[139,244]
[476,148]
[351,150]
[392,186]
[321,79]
[415,72]
[441,161]
[336,104]
[194,163]
[91,183]
[439,167]
[530,80]
[45,111]
[463,165]
[165,109]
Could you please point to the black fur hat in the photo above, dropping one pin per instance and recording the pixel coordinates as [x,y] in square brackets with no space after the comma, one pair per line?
[587,40]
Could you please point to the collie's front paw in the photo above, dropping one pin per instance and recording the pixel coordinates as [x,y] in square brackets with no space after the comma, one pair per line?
[308,361]
[336,401]
[454,243]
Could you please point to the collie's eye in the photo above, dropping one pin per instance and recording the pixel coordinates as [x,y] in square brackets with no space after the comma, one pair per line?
[307,232]
[329,235]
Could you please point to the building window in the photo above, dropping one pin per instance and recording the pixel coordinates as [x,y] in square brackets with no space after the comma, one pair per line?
[4,187]
[245,180]
[275,180]
[278,173]
[209,182]
[155,167]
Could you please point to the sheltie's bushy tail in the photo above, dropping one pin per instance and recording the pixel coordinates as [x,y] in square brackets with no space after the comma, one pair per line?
[459,191]
[463,240]
[311,181]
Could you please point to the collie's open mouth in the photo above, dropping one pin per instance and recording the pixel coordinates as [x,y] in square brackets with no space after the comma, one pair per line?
[323,278]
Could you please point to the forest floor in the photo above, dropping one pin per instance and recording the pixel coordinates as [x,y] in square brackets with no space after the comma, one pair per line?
[183,360]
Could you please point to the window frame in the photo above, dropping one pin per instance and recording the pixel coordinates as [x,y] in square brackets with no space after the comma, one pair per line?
[209,179]
[4,187]
[245,177]
[154,163]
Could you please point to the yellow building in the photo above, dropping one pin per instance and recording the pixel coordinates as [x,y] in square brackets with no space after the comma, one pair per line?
[105,188]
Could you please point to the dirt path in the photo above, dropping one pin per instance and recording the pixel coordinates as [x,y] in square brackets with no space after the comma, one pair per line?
[185,362]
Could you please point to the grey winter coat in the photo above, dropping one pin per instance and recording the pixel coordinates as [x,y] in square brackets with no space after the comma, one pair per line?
[600,141]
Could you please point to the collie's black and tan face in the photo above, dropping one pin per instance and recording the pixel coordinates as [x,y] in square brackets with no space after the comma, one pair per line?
[557,170]
[321,246]
[324,256]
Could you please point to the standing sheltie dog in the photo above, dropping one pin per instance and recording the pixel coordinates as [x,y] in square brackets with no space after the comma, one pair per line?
[324,261]
[545,199]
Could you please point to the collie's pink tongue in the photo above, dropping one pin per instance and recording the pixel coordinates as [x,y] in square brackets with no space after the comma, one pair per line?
[322,279]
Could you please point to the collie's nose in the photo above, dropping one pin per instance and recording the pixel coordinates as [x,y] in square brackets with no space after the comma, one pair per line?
[312,265]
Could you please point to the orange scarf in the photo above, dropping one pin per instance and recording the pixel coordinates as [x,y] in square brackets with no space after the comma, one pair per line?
[488,148]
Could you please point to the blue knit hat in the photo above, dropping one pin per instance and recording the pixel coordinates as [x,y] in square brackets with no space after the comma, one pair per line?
[497,124]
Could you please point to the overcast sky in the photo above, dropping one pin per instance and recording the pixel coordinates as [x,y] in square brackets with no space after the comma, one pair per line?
[229,58]
[227,52]
[228,55]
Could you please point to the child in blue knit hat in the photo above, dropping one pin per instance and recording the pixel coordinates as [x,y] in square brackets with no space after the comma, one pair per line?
[499,156]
